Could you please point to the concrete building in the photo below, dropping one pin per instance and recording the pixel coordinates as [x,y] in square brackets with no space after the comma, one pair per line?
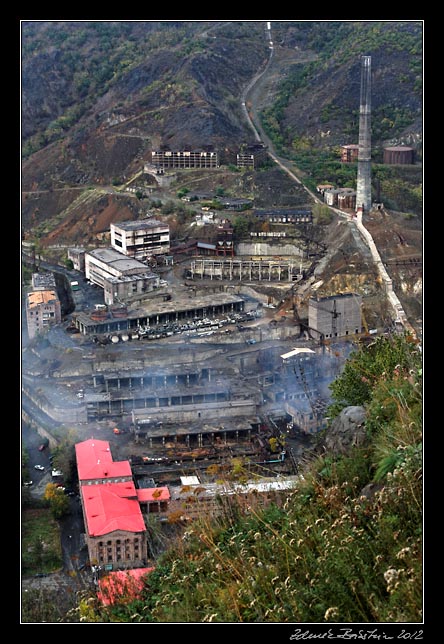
[43,309]
[284,215]
[349,153]
[244,269]
[122,278]
[77,256]
[335,316]
[251,156]
[141,239]
[157,311]
[184,158]
[43,282]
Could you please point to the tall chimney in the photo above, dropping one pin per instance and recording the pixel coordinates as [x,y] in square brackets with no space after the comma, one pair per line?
[364,183]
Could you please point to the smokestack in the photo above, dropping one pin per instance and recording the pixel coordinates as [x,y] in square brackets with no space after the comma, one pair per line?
[364,184]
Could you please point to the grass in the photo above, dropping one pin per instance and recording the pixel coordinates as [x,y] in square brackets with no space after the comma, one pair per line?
[41,546]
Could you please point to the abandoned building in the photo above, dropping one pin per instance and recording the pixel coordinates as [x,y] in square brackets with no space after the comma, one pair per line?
[165,158]
[335,316]
[349,153]
[158,311]
[140,239]
[244,269]
[284,215]
[122,278]
[340,197]
[251,156]
[42,304]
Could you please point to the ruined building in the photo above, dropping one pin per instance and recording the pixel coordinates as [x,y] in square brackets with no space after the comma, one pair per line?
[335,316]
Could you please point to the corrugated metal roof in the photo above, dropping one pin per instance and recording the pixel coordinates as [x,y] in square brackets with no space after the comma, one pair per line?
[110,507]
[153,494]
[41,297]
[295,352]
[94,461]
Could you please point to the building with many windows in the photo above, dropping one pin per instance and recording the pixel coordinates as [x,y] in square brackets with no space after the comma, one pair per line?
[184,158]
[43,308]
[115,531]
[122,278]
[141,239]
[335,316]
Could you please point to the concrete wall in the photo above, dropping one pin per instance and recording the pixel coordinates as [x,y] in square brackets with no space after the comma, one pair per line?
[266,249]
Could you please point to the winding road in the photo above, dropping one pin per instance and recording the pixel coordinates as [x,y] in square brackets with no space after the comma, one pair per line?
[251,103]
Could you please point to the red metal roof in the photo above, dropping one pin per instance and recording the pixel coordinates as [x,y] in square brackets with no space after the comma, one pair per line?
[122,585]
[153,494]
[110,507]
[94,461]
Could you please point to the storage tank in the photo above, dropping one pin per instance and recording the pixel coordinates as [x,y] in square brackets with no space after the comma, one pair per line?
[398,155]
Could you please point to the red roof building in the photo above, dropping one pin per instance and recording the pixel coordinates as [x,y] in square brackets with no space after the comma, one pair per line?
[114,524]
[154,499]
[95,463]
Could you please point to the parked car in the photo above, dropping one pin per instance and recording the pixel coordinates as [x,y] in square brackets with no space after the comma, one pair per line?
[27,483]
[39,467]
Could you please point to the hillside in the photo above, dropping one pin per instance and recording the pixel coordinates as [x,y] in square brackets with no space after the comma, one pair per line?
[98,97]
[344,547]
[108,93]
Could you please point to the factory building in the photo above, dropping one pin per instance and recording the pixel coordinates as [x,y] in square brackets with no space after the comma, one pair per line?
[155,312]
[349,153]
[244,269]
[335,316]
[165,158]
[251,156]
[141,239]
[122,278]
[43,308]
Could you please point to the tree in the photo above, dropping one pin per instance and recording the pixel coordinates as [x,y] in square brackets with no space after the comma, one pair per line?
[58,501]
[365,367]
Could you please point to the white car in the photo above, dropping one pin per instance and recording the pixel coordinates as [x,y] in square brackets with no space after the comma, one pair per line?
[39,467]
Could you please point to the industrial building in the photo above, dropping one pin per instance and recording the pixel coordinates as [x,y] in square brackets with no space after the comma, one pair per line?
[122,278]
[141,239]
[115,531]
[284,215]
[42,304]
[340,197]
[251,156]
[335,316]
[158,311]
[165,158]
[349,153]
[399,155]
[244,269]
